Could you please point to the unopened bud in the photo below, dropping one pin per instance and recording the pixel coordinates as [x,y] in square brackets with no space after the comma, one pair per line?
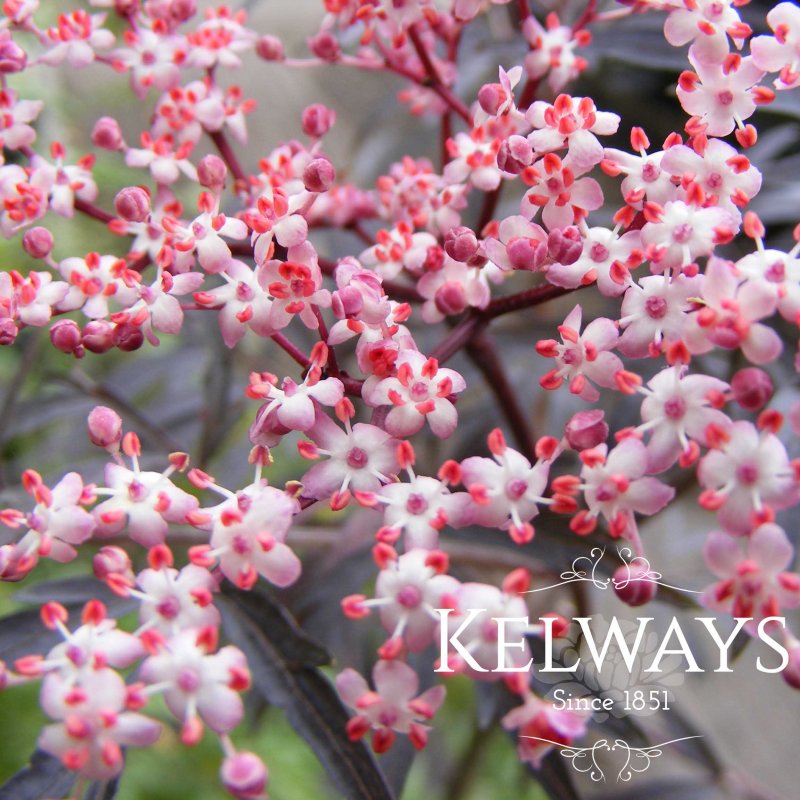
[105,428]
[631,586]
[38,242]
[66,336]
[319,174]
[270,48]
[451,298]
[12,57]
[98,336]
[460,243]
[491,96]
[586,429]
[8,331]
[107,134]
[346,302]
[128,337]
[752,388]
[317,120]
[182,10]
[515,154]
[564,245]
[524,253]
[211,172]
[132,204]
[325,46]
[111,560]
[244,775]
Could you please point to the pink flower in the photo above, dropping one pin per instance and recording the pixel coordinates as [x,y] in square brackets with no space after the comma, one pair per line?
[552,51]
[31,299]
[582,358]
[517,244]
[397,249]
[199,685]
[420,391]
[473,158]
[706,23]
[746,477]
[780,53]
[455,287]
[75,38]
[679,407]
[165,162]
[391,707]
[219,39]
[753,583]
[15,114]
[93,281]
[152,59]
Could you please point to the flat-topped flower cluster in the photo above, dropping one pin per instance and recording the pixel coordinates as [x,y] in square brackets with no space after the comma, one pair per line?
[247,253]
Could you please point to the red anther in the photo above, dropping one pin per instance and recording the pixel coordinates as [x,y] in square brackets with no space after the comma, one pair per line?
[746,136]
[353,606]
[391,649]
[179,460]
[627,382]
[762,95]
[690,455]
[192,731]
[723,234]
[610,168]
[521,534]
[405,454]
[653,212]
[383,554]
[239,679]
[131,445]
[207,638]
[357,727]
[307,450]
[201,596]
[564,504]
[583,523]
[497,442]
[770,420]
[711,500]
[716,436]
[200,479]
[688,80]
[479,494]
[388,535]
[340,499]
[159,557]
[546,447]
[31,480]
[518,581]
[678,353]
[438,561]
[200,555]
[753,226]
[547,348]
[566,484]
[52,614]
[319,354]
[639,140]
[94,612]
[450,472]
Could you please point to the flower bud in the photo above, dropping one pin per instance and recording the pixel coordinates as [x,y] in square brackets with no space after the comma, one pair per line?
[490,97]
[182,10]
[128,337]
[564,245]
[211,172]
[107,134]
[105,428]
[346,302]
[270,48]
[792,672]
[524,253]
[98,336]
[319,174]
[460,243]
[451,298]
[244,775]
[38,242]
[325,46]
[126,8]
[66,337]
[317,120]
[630,587]
[515,154]
[12,57]
[8,331]
[132,204]
[110,560]
[752,388]
[586,429]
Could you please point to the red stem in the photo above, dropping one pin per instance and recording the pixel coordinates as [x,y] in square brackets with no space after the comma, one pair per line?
[588,15]
[228,156]
[93,211]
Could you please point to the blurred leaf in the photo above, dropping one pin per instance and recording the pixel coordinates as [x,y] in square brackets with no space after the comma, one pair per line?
[284,666]
[555,777]
[44,777]
[103,790]
[663,790]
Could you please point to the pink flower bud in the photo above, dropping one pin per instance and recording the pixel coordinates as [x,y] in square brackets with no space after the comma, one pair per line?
[450,298]
[244,775]
[434,259]
[107,134]
[317,120]
[270,48]
[586,429]
[629,586]
[524,253]
[211,172]
[66,337]
[128,337]
[111,560]
[491,96]
[105,428]
[125,8]
[325,46]
[460,243]
[515,154]
[318,175]
[98,336]
[38,242]
[346,302]
[12,57]
[752,388]
[133,204]
[8,331]
[792,672]
[182,10]
[564,245]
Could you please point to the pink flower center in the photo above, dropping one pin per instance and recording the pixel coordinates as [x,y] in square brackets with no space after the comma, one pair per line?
[656,307]
[516,488]
[682,233]
[169,607]
[136,491]
[240,545]
[409,596]
[714,180]
[675,408]
[419,391]
[244,292]
[188,680]
[776,273]
[598,252]
[747,473]
[489,630]
[416,504]
[650,172]
[607,491]
[725,98]
[357,458]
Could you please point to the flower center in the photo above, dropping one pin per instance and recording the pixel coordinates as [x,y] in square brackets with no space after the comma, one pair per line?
[409,596]
[419,391]
[516,488]
[169,607]
[188,679]
[747,473]
[675,408]
[682,233]
[725,98]
[416,504]
[650,172]
[357,458]
[598,252]
[656,307]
